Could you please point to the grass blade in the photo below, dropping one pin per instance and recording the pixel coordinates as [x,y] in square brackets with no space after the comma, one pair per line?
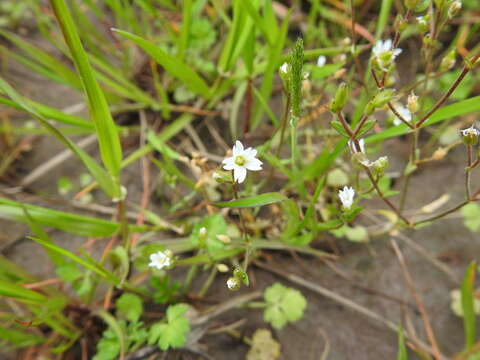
[109,142]
[71,223]
[259,200]
[171,64]
[87,264]
[107,183]
[468,306]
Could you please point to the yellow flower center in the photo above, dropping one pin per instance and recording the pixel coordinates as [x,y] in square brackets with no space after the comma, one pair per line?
[240,160]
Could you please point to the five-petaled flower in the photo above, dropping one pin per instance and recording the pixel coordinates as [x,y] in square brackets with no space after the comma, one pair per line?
[161,259]
[346,197]
[241,161]
[384,54]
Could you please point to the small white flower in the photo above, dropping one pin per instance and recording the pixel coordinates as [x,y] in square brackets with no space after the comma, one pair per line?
[241,161]
[202,231]
[421,20]
[233,284]
[384,54]
[346,196]
[161,259]
[285,68]
[321,61]
[471,131]
[354,149]
[404,113]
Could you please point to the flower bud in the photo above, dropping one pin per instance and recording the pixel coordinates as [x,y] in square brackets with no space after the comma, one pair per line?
[470,136]
[241,275]
[454,8]
[422,22]
[233,284]
[412,103]
[379,100]
[224,238]
[448,61]
[380,165]
[222,268]
[222,176]
[340,98]
[202,237]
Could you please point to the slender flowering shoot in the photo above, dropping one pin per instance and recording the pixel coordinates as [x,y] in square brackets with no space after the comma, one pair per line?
[346,197]
[161,259]
[242,160]
[384,55]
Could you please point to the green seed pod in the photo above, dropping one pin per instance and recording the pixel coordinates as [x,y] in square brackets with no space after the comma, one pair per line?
[340,98]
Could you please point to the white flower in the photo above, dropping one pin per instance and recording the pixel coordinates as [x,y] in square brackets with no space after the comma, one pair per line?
[346,196]
[471,131]
[404,113]
[233,284]
[321,61]
[354,149]
[161,259]
[384,54]
[285,68]
[202,231]
[241,161]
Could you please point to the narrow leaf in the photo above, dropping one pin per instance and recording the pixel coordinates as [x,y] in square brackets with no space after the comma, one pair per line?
[259,200]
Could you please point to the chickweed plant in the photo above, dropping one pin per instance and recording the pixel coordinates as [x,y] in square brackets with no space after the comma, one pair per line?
[259,132]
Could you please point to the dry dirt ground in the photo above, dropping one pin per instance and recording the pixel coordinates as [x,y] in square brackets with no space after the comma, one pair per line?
[327,324]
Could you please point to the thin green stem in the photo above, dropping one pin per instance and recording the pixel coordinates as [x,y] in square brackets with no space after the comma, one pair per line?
[208,282]
[467,172]
[412,162]
[441,215]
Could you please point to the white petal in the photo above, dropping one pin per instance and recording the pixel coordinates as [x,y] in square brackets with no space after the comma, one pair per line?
[229,163]
[239,174]
[387,45]
[237,148]
[254,165]
[397,52]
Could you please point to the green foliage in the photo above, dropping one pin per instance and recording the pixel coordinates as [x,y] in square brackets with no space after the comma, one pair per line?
[468,306]
[172,332]
[471,216]
[283,305]
[165,289]
[254,201]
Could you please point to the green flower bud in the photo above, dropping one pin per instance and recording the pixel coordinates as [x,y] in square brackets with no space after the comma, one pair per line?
[379,100]
[222,176]
[241,275]
[340,98]
[380,165]
[448,61]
